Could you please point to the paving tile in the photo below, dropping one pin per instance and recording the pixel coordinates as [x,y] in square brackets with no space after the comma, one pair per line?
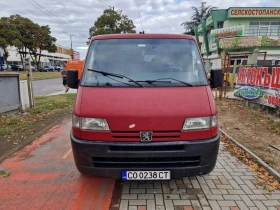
[129,196]
[181,202]
[142,208]
[172,184]
[179,182]
[196,205]
[151,205]
[159,200]
[242,205]
[214,197]
[157,185]
[195,184]
[124,205]
[202,199]
[205,189]
[188,208]
[188,197]
[236,192]
[271,203]
[226,203]
[178,191]
[260,205]
[214,205]
[132,208]
[232,197]
[146,196]
[169,205]
[257,197]
[137,190]
[247,200]
[160,208]
[155,191]
[171,196]
[137,202]
[165,188]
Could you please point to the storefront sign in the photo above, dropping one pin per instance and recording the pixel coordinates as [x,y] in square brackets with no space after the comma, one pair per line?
[249,41]
[227,32]
[259,84]
[248,92]
[254,12]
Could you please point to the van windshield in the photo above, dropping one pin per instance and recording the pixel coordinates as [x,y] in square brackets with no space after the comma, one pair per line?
[169,62]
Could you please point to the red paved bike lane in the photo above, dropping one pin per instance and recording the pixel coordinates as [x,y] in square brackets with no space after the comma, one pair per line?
[43,176]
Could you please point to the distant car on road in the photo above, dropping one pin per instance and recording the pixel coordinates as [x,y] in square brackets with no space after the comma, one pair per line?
[58,67]
[47,68]
[4,66]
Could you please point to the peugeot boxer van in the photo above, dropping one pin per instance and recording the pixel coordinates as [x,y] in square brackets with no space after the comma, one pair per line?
[144,108]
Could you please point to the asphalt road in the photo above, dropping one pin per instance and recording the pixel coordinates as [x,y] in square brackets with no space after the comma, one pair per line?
[48,86]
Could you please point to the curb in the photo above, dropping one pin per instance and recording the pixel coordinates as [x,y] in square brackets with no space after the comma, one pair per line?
[270,170]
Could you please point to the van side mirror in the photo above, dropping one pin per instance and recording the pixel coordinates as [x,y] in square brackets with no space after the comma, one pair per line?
[72,79]
[216,78]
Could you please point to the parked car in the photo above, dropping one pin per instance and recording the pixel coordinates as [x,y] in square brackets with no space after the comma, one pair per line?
[157,124]
[33,68]
[48,68]
[4,66]
[17,68]
[58,67]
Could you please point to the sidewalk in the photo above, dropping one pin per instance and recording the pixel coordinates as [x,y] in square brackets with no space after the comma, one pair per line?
[231,186]
[63,92]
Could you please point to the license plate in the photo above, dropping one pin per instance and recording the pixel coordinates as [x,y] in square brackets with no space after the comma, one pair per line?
[146,175]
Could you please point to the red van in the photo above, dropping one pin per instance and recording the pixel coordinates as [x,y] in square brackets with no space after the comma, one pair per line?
[144,108]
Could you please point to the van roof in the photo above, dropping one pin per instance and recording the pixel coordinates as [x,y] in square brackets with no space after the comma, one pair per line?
[145,36]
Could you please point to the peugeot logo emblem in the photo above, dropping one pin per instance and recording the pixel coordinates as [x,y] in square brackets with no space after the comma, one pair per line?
[146,136]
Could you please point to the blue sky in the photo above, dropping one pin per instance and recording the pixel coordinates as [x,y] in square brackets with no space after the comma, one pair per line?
[158,16]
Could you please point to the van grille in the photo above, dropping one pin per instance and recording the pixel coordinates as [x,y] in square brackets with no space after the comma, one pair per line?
[158,135]
[148,148]
[146,162]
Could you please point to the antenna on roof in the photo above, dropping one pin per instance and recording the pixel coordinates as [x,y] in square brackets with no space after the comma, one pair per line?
[141,32]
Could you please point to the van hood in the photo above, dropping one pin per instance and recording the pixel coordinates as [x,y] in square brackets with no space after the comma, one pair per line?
[143,108]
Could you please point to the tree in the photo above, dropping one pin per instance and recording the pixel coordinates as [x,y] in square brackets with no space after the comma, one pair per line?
[112,22]
[42,41]
[27,30]
[9,36]
[199,13]
[33,38]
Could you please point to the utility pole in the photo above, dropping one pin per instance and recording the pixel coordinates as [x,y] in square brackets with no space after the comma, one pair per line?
[71,46]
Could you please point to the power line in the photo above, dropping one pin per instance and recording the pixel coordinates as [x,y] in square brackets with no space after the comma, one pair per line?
[47,12]
[189,3]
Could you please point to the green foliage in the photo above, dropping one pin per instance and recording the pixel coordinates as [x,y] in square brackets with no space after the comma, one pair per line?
[9,35]
[42,41]
[27,36]
[199,13]
[112,22]
[266,41]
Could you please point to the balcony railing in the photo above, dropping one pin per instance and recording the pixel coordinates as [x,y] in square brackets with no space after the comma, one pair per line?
[261,32]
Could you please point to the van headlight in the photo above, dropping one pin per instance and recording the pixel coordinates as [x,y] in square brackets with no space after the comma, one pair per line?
[98,124]
[199,123]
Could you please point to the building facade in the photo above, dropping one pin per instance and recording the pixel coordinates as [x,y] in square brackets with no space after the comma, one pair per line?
[61,55]
[246,31]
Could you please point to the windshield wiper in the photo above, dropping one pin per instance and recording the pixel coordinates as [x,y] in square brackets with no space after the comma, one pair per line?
[104,73]
[165,80]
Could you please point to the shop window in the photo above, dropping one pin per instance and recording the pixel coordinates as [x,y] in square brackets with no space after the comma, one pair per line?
[220,24]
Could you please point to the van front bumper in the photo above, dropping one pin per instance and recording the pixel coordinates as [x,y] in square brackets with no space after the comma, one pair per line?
[181,158]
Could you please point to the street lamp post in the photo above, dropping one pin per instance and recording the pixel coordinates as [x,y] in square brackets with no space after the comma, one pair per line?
[71,46]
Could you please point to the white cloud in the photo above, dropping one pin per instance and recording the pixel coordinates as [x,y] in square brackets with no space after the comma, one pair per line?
[158,16]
